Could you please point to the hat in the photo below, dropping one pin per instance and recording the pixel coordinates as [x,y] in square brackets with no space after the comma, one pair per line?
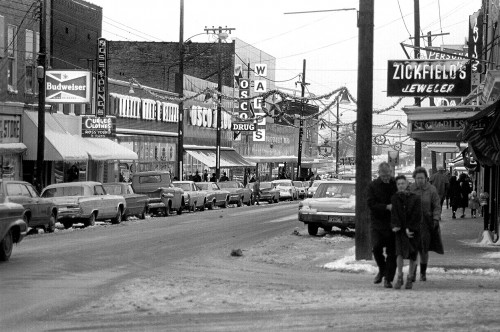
[440,168]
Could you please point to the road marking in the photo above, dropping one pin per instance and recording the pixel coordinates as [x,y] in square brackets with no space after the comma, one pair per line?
[286,218]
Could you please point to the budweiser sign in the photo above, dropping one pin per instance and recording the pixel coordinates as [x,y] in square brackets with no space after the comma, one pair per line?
[67,86]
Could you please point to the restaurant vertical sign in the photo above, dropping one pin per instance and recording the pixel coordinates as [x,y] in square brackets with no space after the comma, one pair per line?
[101,77]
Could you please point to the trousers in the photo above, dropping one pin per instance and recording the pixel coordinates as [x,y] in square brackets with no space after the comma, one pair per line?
[386,263]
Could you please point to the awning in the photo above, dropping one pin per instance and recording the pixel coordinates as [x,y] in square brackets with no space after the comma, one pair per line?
[62,145]
[273,159]
[59,144]
[228,158]
[106,149]
[12,148]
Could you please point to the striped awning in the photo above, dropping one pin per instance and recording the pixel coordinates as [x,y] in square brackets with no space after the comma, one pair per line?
[228,158]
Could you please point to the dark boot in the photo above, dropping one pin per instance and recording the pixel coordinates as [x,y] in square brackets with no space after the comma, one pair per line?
[378,277]
[387,283]
[413,276]
[423,270]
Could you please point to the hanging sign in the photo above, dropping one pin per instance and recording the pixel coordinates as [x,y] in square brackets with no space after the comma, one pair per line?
[67,86]
[101,77]
[434,78]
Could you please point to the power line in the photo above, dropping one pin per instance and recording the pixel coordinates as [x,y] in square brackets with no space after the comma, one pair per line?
[440,23]
[402,17]
[108,18]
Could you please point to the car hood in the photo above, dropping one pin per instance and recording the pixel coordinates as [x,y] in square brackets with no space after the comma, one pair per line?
[331,204]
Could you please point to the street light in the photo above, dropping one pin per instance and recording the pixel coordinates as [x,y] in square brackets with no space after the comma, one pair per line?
[344,99]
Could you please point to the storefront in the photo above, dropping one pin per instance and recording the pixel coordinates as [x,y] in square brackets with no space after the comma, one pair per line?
[11,147]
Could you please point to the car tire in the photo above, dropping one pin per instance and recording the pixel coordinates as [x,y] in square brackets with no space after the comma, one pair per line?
[226,202]
[68,224]
[179,211]
[6,246]
[51,226]
[327,229]
[276,200]
[240,202]
[202,207]
[142,215]
[312,229]
[271,201]
[166,210]
[90,221]
[118,219]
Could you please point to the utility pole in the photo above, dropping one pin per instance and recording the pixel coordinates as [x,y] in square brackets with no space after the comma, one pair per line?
[364,122]
[337,145]
[39,182]
[222,34]
[418,143]
[301,122]
[180,92]
[431,103]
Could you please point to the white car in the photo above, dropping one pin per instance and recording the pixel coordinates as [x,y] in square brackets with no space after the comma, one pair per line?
[286,188]
[333,204]
[312,189]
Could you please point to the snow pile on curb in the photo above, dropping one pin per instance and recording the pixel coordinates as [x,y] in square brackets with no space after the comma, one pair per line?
[348,263]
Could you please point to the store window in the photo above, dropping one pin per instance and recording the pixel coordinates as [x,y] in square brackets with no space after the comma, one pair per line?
[12,58]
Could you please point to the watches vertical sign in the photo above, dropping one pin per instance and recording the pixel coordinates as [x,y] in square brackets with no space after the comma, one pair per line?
[102,77]
[260,87]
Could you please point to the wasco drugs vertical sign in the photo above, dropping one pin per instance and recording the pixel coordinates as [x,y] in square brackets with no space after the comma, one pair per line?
[434,78]
[101,77]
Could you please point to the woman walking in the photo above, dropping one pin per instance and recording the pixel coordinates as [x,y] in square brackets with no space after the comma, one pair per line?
[430,216]
[454,193]
[405,222]
[464,193]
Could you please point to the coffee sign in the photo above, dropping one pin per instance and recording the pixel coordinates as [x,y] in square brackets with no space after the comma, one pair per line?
[98,127]
[67,86]
[434,78]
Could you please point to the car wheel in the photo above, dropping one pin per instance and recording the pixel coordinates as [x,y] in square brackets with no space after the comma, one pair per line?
[91,220]
[212,204]
[226,202]
[276,200]
[51,226]
[179,211]
[68,224]
[166,210]
[202,207]
[239,203]
[312,229]
[193,207]
[143,213]
[6,246]
[271,201]
[118,218]
[327,229]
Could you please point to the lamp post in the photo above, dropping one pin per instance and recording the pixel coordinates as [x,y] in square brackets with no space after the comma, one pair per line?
[344,99]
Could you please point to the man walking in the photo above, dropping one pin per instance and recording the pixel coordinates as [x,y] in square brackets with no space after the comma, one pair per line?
[441,182]
[380,192]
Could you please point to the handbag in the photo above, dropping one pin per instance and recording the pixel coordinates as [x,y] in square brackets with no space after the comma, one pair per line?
[436,243]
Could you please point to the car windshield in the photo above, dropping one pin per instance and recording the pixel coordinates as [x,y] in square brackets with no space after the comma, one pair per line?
[337,190]
[315,184]
[203,186]
[113,189]
[297,184]
[266,185]
[63,191]
[228,184]
[183,186]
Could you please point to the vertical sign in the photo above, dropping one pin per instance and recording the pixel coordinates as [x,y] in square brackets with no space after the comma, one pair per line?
[101,77]
[476,45]
[244,92]
[260,86]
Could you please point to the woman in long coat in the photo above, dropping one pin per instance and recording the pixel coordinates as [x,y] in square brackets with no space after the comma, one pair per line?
[465,190]
[405,222]
[455,195]
[430,216]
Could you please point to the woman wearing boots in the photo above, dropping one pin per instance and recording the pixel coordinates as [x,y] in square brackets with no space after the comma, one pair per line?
[405,222]
[430,216]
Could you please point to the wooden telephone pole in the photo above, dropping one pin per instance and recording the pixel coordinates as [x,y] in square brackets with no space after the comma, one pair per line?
[40,72]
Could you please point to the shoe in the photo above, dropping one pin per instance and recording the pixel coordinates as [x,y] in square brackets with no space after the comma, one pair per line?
[409,283]
[399,281]
[378,278]
[423,277]
[387,284]
[453,216]
[423,270]
[462,216]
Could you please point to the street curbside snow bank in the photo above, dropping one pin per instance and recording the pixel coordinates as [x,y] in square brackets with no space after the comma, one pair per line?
[349,264]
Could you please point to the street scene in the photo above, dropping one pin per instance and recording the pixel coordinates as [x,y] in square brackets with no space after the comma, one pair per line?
[273,166]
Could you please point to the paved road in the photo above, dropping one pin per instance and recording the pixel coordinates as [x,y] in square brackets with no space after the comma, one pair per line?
[50,274]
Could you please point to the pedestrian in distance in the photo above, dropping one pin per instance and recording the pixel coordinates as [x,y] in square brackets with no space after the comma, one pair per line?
[224,177]
[213,178]
[441,182]
[256,191]
[379,194]
[205,175]
[197,177]
[405,223]
[473,203]
[464,193]
[455,195]
[429,218]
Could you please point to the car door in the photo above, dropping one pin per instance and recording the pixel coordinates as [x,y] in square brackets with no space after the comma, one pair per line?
[42,205]
[20,195]
[133,203]
[103,205]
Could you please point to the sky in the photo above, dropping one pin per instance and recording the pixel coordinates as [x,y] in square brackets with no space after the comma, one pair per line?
[327,41]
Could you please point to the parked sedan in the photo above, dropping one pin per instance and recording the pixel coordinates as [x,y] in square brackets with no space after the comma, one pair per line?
[269,193]
[13,227]
[39,212]
[196,198]
[84,202]
[286,188]
[333,204]
[239,194]
[301,188]
[216,196]
[136,204]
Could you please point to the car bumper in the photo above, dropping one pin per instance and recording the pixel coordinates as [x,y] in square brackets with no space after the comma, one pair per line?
[234,198]
[266,197]
[326,219]
[285,194]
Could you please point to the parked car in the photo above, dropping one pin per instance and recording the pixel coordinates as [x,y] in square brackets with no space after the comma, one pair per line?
[163,197]
[268,193]
[136,204]
[216,196]
[13,228]
[301,188]
[312,189]
[286,188]
[239,195]
[333,204]
[84,202]
[197,198]
[39,212]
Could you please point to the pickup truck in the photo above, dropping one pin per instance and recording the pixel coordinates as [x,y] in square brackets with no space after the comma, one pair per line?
[163,197]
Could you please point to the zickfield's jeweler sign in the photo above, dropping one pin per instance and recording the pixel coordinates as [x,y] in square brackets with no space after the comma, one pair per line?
[434,78]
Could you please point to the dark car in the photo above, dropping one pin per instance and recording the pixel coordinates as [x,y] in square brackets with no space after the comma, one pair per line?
[39,212]
[268,192]
[13,227]
[216,196]
[136,204]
